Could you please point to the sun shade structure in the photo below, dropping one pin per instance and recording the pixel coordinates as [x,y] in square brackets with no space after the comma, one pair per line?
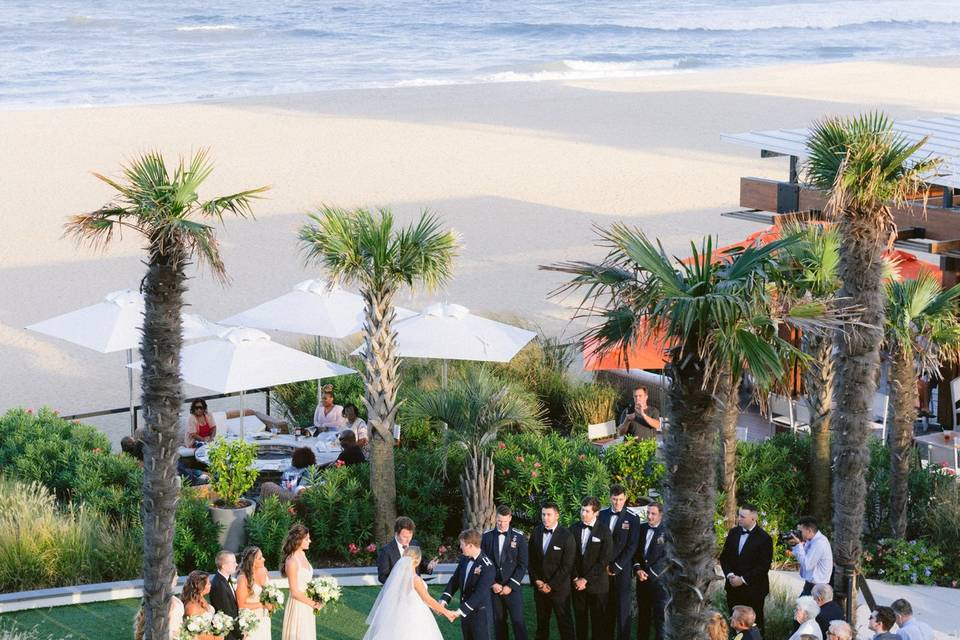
[114,324]
[649,354]
[239,359]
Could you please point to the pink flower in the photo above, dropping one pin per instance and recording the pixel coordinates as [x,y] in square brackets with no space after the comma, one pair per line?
[501,446]
[519,458]
[506,472]
[76,422]
[441,550]
[537,465]
[339,464]
[371,548]
[353,549]
[534,474]
[29,410]
[97,450]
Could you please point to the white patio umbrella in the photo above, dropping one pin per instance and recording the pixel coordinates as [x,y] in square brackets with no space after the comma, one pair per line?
[239,359]
[451,332]
[114,324]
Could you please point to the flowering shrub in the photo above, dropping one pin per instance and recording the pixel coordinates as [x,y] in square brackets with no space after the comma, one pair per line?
[903,561]
[532,468]
[634,464]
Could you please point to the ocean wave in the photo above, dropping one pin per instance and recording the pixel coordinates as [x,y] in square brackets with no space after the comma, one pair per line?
[211,27]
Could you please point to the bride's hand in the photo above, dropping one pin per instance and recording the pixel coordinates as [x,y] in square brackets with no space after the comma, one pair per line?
[317,605]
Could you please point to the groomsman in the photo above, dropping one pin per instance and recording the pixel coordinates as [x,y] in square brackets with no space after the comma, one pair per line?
[650,562]
[507,547]
[552,554]
[590,581]
[745,560]
[222,596]
[624,527]
[474,578]
[390,553]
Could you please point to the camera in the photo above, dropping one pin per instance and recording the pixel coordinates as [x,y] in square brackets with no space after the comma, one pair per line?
[787,535]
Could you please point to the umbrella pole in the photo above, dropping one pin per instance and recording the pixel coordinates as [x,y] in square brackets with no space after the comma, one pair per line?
[316,343]
[133,411]
[443,374]
[242,434]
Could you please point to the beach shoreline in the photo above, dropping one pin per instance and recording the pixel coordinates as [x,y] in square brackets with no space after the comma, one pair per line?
[522,170]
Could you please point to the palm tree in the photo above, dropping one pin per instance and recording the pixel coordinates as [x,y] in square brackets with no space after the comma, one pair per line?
[365,248]
[728,397]
[865,166]
[472,410]
[809,272]
[166,210]
[718,313]
[922,334]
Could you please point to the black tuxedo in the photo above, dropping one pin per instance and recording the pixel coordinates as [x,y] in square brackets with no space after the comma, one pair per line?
[625,535]
[554,567]
[511,565]
[589,605]
[752,564]
[753,633]
[389,555]
[652,592]
[474,587]
[829,611]
[223,598]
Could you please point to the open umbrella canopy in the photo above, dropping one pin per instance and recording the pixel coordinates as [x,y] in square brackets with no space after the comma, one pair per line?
[239,359]
[113,324]
[451,332]
[313,307]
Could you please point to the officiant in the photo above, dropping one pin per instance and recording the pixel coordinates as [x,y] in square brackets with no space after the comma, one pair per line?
[391,552]
[507,548]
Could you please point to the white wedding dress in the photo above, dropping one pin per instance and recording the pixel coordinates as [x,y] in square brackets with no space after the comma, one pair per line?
[399,613]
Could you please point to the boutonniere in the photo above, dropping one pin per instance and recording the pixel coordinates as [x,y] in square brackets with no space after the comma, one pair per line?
[660,539]
[513,543]
[476,571]
[232,582]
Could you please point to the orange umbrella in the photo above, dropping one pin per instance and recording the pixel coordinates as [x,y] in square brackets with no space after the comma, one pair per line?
[650,353]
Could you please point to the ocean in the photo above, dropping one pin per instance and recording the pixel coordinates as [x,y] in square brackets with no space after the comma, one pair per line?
[84,53]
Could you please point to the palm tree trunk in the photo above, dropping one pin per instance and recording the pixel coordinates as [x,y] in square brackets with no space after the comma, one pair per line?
[476,484]
[690,495]
[728,394]
[163,290]
[380,398]
[818,384]
[857,366]
[903,401]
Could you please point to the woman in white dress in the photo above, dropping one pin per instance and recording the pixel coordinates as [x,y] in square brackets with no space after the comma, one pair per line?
[174,624]
[253,577]
[298,618]
[403,608]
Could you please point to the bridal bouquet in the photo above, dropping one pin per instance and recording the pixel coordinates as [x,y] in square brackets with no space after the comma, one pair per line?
[194,626]
[272,595]
[247,621]
[220,625]
[323,589]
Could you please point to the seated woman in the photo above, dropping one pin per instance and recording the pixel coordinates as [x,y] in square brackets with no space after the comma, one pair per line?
[328,416]
[353,422]
[294,479]
[201,427]
[806,616]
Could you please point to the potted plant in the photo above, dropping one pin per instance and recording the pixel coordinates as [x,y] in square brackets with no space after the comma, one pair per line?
[592,407]
[231,475]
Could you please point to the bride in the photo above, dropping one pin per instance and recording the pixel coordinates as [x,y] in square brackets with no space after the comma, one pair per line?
[402,610]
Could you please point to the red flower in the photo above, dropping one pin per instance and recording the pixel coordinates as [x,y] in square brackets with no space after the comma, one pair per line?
[291,511]
[353,549]
[537,465]
[534,474]
[501,446]
[29,410]
[519,458]
[339,464]
[371,548]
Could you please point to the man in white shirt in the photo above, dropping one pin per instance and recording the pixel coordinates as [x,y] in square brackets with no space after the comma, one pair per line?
[813,553]
[910,628]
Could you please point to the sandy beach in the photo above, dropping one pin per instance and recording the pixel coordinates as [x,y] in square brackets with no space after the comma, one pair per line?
[521,170]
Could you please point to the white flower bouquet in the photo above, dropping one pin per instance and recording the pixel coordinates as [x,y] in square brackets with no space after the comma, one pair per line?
[194,626]
[220,624]
[272,595]
[323,589]
[247,621]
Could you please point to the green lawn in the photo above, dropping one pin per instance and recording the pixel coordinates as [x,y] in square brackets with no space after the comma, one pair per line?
[114,620]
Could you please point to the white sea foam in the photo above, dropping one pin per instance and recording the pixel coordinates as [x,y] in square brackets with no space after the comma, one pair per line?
[211,27]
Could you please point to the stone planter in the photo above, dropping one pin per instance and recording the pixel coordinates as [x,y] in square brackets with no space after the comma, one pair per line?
[233,521]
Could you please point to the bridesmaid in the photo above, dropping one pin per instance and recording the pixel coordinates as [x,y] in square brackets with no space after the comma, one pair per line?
[253,577]
[194,590]
[298,618]
[176,618]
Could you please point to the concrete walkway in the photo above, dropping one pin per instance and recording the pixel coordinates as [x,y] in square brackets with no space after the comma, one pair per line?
[937,606]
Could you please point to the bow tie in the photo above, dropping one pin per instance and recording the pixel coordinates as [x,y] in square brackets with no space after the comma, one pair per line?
[744,532]
[588,527]
[502,533]
[547,532]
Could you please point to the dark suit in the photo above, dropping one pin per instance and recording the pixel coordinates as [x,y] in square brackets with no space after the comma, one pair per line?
[625,535]
[511,565]
[555,568]
[590,605]
[829,611]
[473,578]
[389,555]
[652,592]
[753,633]
[223,598]
[752,564]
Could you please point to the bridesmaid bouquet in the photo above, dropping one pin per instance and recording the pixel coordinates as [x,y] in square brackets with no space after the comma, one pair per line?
[272,595]
[194,626]
[220,624]
[247,621]
[323,589]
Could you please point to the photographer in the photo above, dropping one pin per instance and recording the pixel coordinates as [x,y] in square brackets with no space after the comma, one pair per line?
[813,553]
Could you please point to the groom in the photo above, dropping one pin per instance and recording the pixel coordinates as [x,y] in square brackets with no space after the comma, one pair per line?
[474,578]
[222,596]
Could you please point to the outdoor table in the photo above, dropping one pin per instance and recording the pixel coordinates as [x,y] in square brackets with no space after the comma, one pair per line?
[325,446]
[942,448]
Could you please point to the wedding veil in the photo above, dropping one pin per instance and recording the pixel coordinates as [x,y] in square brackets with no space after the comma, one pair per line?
[394,597]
